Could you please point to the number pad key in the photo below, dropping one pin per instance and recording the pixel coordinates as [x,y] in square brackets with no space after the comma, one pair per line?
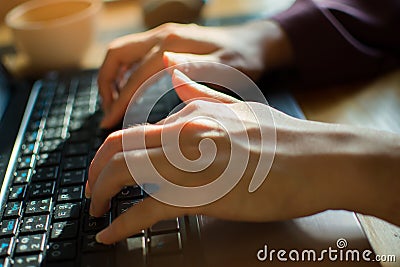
[35,224]
[30,243]
[28,261]
[38,206]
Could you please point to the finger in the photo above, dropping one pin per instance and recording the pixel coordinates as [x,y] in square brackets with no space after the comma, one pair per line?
[127,224]
[149,65]
[188,90]
[122,52]
[114,144]
[111,180]
[189,63]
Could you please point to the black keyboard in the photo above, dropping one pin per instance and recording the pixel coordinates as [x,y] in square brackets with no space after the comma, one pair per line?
[45,221]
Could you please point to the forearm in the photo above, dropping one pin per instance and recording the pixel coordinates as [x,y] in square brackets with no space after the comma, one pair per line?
[359,171]
[379,172]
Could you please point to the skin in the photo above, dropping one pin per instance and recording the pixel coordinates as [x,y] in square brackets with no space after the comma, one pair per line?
[263,46]
[317,166]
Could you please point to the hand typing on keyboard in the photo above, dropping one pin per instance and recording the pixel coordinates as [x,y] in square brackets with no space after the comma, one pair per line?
[313,168]
[244,47]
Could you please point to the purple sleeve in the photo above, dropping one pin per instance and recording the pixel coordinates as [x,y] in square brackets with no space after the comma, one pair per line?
[340,40]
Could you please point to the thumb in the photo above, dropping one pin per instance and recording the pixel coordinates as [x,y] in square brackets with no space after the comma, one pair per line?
[188,90]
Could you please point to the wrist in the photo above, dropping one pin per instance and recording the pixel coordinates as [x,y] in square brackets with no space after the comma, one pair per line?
[368,178]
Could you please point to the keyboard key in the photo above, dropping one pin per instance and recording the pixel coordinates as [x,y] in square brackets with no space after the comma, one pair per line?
[38,206]
[42,189]
[26,162]
[73,177]
[124,205]
[45,174]
[52,133]
[64,230]
[32,224]
[76,126]
[8,227]
[93,224]
[129,192]
[28,149]
[51,146]
[77,149]
[55,121]
[34,125]
[31,137]
[165,244]
[71,193]
[13,209]
[30,243]
[74,163]
[49,159]
[165,226]
[89,244]
[67,211]
[5,262]
[64,250]
[6,246]
[17,192]
[22,176]
[28,261]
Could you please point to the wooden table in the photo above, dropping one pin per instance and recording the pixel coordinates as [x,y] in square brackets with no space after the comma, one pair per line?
[374,103]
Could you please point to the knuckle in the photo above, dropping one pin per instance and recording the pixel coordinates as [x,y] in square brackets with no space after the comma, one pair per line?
[118,165]
[195,105]
[113,139]
[168,27]
[117,160]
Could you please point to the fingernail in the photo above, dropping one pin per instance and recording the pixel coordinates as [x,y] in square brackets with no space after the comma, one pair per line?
[91,209]
[99,237]
[88,193]
[166,60]
[180,75]
[171,59]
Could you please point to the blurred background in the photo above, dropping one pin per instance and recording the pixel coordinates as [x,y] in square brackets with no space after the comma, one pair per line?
[139,15]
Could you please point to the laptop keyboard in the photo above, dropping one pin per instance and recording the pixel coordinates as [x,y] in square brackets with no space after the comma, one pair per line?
[46,221]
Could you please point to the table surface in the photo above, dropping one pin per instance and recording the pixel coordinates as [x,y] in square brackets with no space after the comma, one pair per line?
[374,103]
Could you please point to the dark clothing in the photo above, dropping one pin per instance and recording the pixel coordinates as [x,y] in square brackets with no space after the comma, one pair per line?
[336,41]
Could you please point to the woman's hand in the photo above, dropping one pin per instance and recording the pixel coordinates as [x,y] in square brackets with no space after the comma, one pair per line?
[316,166]
[251,48]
